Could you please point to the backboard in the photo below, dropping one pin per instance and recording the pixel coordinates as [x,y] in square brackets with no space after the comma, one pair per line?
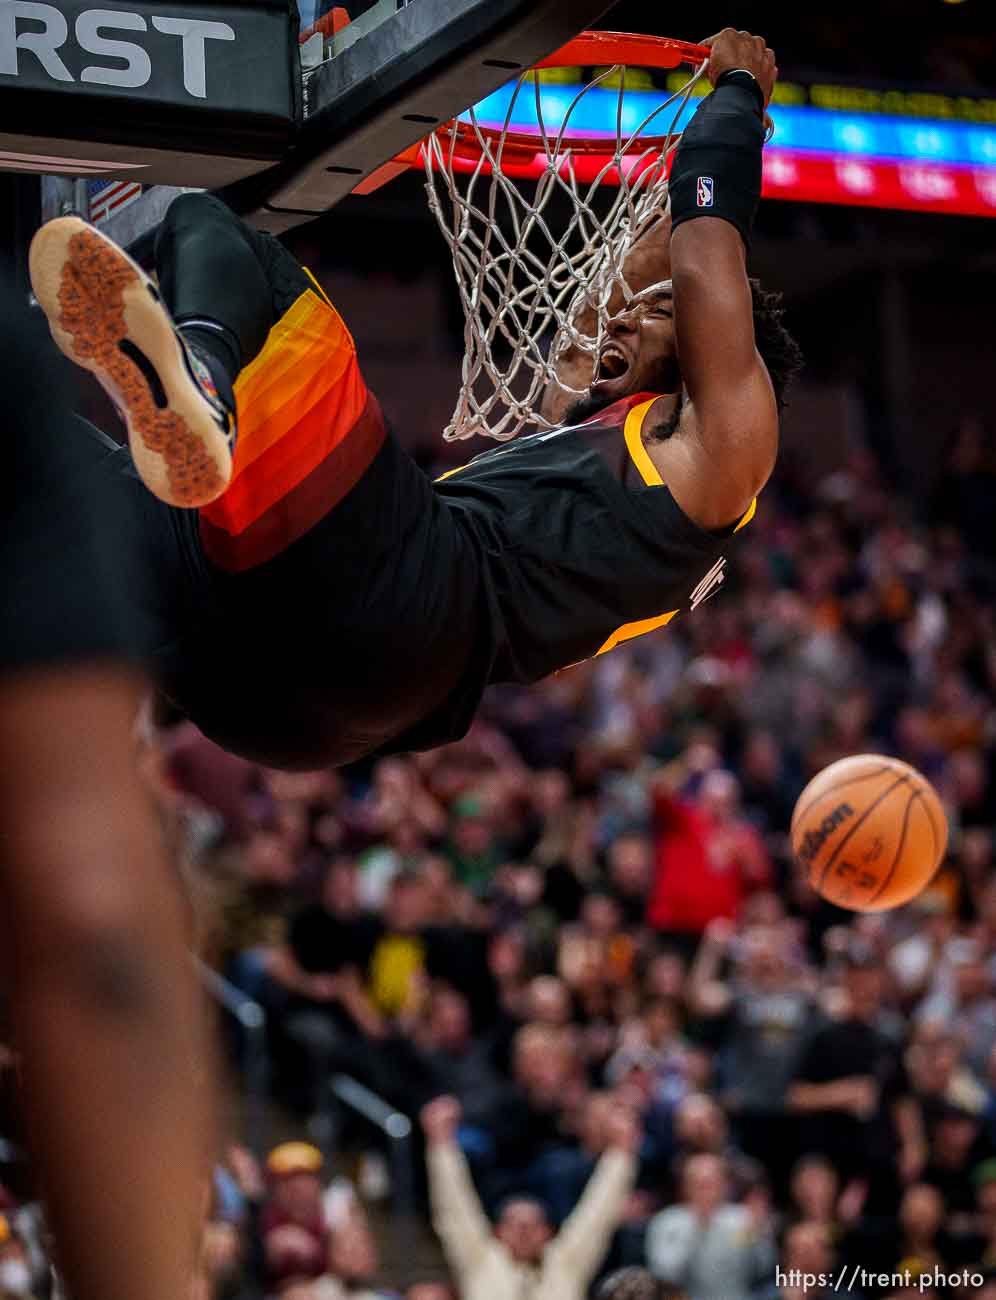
[190,93]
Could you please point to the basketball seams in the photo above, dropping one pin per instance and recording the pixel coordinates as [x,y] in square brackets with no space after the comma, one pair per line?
[902,780]
[800,813]
[883,883]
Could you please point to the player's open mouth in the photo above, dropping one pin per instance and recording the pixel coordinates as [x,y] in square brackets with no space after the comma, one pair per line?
[612,364]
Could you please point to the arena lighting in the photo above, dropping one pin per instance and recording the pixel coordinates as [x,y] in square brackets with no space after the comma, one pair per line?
[826,154]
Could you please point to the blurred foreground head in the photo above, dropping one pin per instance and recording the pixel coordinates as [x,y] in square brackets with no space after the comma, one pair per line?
[631,1284]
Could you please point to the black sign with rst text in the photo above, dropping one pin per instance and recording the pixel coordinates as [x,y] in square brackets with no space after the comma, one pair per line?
[127,66]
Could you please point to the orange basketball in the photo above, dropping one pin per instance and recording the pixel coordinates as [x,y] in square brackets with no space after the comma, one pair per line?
[870,831]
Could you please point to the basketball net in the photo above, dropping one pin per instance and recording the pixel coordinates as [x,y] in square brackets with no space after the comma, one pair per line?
[526,287]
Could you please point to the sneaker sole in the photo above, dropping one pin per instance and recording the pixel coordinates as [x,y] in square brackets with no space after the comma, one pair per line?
[107,316]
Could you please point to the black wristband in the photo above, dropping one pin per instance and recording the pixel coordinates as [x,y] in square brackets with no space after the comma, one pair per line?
[743,77]
[717,166]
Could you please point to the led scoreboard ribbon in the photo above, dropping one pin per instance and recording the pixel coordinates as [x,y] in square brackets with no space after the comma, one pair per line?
[822,155]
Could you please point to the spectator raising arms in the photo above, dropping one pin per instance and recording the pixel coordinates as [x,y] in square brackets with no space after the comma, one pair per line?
[520,1258]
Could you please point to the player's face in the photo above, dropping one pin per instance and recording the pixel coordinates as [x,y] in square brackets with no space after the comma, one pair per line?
[638,353]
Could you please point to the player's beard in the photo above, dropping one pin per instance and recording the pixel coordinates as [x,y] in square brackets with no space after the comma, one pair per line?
[585,407]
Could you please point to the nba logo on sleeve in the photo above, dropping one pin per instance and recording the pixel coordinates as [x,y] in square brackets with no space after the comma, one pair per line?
[703,195]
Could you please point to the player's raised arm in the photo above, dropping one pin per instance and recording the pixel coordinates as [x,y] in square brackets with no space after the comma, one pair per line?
[726,441]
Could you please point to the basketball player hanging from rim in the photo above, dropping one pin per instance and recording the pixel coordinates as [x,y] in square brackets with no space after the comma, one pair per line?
[329,602]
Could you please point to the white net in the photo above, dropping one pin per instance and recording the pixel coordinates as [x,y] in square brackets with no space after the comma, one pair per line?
[531,292]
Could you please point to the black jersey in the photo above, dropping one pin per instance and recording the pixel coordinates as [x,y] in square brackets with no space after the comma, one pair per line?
[581,546]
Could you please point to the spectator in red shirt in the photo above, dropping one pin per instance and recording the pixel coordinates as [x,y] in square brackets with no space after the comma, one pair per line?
[708,857]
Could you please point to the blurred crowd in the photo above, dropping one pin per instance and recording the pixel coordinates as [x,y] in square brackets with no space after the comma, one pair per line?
[575,951]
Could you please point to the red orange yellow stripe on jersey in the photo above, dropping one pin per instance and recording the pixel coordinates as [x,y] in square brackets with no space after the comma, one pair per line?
[308,430]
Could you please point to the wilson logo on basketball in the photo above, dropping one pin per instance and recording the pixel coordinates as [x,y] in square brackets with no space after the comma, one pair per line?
[813,841]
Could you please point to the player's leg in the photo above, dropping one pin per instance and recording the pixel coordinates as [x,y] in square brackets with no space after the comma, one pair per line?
[225,284]
[107,316]
[309,428]
[169,355]
[116,1078]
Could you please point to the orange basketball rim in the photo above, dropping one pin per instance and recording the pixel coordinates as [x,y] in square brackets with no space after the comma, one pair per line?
[589,50]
